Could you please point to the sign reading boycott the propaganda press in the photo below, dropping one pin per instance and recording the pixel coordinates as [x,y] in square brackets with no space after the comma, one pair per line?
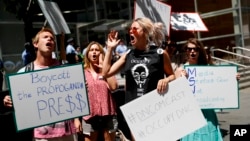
[155,117]
[214,86]
[47,96]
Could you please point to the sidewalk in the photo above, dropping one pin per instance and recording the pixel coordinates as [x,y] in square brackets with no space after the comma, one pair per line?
[235,116]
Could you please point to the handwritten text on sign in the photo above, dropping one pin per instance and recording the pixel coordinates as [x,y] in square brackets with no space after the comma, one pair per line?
[160,117]
[47,96]
[214,86]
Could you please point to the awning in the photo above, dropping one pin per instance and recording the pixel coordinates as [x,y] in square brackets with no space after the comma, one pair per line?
[108,25]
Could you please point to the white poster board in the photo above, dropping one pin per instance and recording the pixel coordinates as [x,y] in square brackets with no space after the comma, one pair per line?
[54,16]
[48,96]
[155,117]
[187,21]
[214,86]
[155,10]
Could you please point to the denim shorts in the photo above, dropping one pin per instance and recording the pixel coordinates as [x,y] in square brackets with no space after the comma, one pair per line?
[98,123]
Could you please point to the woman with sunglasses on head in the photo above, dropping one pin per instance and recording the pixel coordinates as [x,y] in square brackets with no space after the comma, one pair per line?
[196,55]
[146,66]
[102,121]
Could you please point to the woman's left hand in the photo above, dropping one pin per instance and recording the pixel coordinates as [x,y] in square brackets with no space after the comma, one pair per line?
[162,85]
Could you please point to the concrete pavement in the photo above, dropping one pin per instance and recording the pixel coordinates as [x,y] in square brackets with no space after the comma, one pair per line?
[235,116]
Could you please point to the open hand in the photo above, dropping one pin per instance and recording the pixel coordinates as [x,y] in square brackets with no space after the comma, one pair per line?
[113,40]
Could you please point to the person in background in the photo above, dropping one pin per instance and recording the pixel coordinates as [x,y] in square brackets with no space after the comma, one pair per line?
[119,51]
[79,53]
[44,43]
[102,120]
[196,55]
[209,57]
[28,55]
[147,66]
[71,53]
[1,74]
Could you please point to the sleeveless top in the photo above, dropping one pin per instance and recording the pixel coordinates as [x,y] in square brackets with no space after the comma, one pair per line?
[143,70]
[101,101]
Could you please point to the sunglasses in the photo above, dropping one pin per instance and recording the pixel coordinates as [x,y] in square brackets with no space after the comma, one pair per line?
[133,29]
[192,48]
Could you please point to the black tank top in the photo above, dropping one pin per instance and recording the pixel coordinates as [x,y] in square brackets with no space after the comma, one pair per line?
[143,69]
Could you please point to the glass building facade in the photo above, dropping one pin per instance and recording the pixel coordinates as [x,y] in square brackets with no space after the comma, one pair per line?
[227,22]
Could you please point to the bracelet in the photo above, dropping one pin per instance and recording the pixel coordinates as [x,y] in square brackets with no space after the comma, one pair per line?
[100,77]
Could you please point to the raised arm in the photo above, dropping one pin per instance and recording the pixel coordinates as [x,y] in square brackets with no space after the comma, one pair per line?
[111,44]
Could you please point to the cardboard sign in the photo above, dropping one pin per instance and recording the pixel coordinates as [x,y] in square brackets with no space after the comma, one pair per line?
[155,117]
[155,10]
[54,16]
[214,86]
[48,96]
[187,21]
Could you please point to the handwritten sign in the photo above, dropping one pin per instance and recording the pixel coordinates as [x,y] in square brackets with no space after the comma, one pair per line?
[187,21]
[214,86]
[155,10]
[155,117]
[47,96]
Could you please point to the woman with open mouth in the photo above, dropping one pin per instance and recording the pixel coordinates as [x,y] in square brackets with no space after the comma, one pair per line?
[196,55]
[147,66]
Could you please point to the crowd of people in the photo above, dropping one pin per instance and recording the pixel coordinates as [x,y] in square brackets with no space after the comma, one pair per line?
[149,65]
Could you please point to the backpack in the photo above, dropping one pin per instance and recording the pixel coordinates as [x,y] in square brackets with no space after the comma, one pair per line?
[29,67]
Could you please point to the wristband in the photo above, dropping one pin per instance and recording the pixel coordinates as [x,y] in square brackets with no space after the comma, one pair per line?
[100,77]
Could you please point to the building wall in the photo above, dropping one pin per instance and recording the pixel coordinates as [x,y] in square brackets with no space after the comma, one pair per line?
[224,28]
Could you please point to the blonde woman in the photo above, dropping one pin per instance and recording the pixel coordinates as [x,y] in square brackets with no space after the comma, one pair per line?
[147,66]
[102,120]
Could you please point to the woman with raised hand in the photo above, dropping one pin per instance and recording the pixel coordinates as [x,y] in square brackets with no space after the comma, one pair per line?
[147,66]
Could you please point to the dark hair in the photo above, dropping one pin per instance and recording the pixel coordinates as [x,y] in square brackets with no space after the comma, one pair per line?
[202,58]
[209,58]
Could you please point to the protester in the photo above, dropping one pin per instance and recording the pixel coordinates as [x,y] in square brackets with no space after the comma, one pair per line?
[196,55]
[102,120]
[146,66]
[71,53]
[44,43]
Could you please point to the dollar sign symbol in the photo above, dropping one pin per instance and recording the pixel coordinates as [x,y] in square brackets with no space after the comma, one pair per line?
[72,105]
[82,104]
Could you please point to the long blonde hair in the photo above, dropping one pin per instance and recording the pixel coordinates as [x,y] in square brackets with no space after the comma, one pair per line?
[154,32]
[86,59]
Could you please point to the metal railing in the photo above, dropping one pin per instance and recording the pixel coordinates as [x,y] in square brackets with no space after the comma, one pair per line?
[232,53]
[229,62]
[241,48]
[239,57]
[244,69]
